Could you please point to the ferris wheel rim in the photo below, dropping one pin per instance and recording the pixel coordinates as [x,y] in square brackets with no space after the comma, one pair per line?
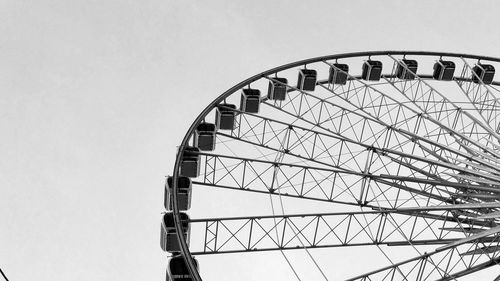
[184,248]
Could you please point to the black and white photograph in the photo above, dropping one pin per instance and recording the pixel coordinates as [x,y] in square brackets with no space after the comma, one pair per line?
[249,140]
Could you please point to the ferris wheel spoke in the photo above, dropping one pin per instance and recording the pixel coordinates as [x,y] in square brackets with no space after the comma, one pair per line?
[319,142]
[322,230]
[297,141]
[426,183]
[335,116]
[439,134]
[447,264]
[313,144]
[384,108]
[288,179]
[354,128]
[288,195]
[430,98]
[455,161]
[469,144]
[441,110]
[431,129]
[326,184]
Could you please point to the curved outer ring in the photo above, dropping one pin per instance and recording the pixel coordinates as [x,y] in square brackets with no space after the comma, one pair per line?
[183,245]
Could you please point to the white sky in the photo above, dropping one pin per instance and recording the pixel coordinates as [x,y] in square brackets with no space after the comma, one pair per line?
[95,96]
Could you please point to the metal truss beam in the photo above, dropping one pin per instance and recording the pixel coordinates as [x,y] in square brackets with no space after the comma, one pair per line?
[307,182]
[314,145]
[440,110]
[447,264]
[394,228]
[435,120]
[337,120]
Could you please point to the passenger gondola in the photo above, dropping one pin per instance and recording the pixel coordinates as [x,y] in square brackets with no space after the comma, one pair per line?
[168,236]
[372,70]
[443,70]
[277,89]
[177,269]
[250,100]
[307,79]
[483,73]
[190,164]
[225,115]
[338,74]
[204,136]
[407,69]
[184,188]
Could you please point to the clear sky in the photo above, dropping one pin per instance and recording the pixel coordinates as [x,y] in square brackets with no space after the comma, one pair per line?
[95,96]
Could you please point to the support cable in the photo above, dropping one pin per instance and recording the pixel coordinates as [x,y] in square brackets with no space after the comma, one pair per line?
[393,222]
[281,155]
[277,237]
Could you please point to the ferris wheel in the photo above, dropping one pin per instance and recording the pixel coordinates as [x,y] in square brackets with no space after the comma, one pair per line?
[392,157]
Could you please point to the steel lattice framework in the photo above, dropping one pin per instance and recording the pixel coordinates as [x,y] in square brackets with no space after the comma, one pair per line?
[404,163]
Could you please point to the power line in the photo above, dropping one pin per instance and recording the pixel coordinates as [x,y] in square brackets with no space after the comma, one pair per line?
[3,275]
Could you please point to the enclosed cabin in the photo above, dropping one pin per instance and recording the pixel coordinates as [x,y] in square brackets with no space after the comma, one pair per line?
[277,89]
[177,269]
[184,187]
[443,70]
[483,72]
[168,236]
[338,74]
[407,69]
[307,79]
[190,164]
[250,100]
[204,136]
[372,70]
[225,116]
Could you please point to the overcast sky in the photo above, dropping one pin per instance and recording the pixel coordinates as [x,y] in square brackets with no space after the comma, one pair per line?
[96,95]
